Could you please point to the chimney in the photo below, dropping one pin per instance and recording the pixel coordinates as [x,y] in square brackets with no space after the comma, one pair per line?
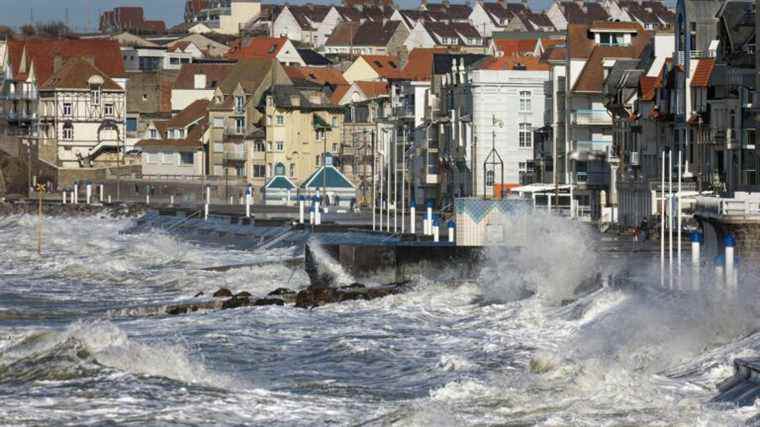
[57,63]
[199,82]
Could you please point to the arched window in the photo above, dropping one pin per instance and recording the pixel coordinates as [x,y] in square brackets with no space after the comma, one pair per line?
[279,169]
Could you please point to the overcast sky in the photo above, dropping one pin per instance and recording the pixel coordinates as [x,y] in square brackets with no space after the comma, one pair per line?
[84,14]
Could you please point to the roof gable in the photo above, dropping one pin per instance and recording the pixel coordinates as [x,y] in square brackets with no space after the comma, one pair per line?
[329,177]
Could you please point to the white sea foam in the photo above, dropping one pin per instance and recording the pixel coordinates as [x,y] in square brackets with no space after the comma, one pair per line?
[546,254]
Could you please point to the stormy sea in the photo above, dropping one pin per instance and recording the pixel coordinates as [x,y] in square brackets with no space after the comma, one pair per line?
[527,342]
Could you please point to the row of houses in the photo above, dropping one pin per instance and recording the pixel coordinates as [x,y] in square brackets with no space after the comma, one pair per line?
[577,118]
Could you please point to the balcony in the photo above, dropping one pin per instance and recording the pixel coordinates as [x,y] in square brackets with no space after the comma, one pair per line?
[234,156]
[591,118]
[584,150]
[694,54]
[30,94]
[404,111]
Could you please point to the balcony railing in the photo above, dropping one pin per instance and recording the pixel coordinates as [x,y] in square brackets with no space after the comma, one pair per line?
[716,207]
[695,54]
[403,111]
[591,117]
[593,147]
[30,94]
[234,155]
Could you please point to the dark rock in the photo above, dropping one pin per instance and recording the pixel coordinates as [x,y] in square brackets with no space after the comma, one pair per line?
[314,297]
[199,294]
[354,286]
[352,296]
[287,295]
[268,301]
[236,302]
[222,293]
[245,294]
[177,310]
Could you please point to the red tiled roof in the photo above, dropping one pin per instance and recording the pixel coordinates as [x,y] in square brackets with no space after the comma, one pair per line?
[611,25]
[647,87]
[515,47]
[257,47]
[592,76]
[75,74]
[703,72]
[339,93]
[318,75]
[193,112]
[516,62]
[385,66]
[193,139]
[373,89]
[419,63]
[106,56]
[215,74]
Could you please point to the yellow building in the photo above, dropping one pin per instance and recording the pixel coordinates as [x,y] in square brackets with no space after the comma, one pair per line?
[301,126]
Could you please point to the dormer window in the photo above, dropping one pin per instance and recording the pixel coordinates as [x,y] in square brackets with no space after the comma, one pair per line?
[94,94]
[239,104]
[153,133]
[96,86]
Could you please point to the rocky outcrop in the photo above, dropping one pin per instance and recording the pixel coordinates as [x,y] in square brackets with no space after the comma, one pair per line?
[316,296]
[285,294]
[222,293]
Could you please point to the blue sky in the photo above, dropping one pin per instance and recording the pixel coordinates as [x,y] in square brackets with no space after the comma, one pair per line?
[86,12]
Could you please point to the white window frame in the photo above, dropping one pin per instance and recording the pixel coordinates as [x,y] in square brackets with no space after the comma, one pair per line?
[153,133]
[525,135]
[108,110]
[279,146]
[67,109]
[525,101]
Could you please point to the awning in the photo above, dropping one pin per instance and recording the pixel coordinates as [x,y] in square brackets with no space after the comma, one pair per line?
[320,124]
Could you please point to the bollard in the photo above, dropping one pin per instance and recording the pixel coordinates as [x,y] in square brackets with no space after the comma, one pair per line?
[300,209]
[311,211]
[696,242]
[412,217]
[63,197]
[318,211]
[451,231]
[208,195]
[147,198]
[429,217]
[101,193]
[109,199]
[247,205]
[435,230]
[232,200]
[171,200]
[76,194]
[88,193]
[730,242]
[205,212]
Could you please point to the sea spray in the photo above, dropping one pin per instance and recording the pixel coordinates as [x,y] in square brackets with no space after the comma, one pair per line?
[543,254]
[323,269]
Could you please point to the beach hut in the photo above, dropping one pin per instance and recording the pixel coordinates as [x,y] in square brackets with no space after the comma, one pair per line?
[328,180]
[280,190]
